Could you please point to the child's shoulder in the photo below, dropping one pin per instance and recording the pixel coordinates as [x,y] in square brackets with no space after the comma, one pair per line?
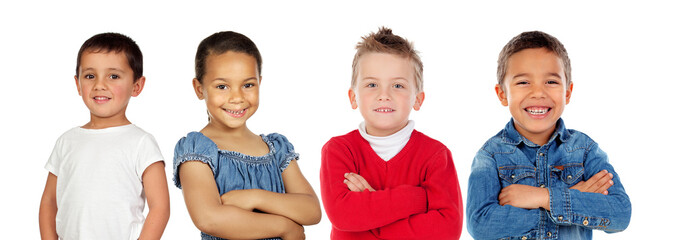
[424,141]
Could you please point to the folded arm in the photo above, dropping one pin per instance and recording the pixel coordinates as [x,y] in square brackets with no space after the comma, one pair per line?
[485,216]
[227,221]
[608,212]
[299,203]
[362,211]
[444,217]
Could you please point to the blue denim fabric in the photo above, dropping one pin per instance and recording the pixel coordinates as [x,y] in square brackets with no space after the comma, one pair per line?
[568,158]
[233,170]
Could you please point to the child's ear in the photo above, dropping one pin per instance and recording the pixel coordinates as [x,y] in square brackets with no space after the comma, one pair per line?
[419,99]
[501,95]
[569,89]
[197,88]
[352,98]
[138,86]
[77,83]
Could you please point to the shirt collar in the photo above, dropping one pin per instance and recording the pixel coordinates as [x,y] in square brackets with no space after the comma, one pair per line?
[512,136]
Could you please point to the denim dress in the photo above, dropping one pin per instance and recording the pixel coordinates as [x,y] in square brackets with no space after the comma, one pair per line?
[234,170]
[566,159]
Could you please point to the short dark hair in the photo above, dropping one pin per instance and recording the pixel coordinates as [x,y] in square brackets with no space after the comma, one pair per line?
[533,39]
[384,41]
[114,42]
[222,42]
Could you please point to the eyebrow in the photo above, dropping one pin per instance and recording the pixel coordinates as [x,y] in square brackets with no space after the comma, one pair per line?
[113,69]
[374,78]
[547,75]
[227,79]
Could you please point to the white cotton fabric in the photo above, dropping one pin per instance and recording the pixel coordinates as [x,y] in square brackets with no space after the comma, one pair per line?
[389,146]
[99,189]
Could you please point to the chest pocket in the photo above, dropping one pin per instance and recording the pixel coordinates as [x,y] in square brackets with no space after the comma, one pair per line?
[569,174]
[517,175]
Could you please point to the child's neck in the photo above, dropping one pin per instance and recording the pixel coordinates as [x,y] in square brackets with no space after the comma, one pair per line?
[539,139]
[100,123]
[240,140]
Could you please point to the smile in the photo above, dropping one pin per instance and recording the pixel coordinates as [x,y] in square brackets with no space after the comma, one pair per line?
[384,110]
[101,98]
[537,110]
[236,113]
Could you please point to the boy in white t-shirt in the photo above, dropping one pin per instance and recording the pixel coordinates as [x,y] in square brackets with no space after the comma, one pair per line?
[101,173]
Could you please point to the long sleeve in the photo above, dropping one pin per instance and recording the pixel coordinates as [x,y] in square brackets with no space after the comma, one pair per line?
[485,217]
[362,211]
[444,217]
[610,213]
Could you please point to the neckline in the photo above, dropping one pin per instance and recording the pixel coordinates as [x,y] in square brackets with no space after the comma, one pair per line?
[395,158]
[107,129]
[245,157]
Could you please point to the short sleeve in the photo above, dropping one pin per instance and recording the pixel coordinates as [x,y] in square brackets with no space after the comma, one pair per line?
[148,153]
[284,152]
[194,147]
[55,158]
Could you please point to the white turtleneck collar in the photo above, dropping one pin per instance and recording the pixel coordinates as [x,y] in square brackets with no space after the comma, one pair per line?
[389,146]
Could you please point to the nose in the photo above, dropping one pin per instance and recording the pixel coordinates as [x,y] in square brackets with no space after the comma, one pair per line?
[384,94]
[538,91]
[236,95]
[100,84]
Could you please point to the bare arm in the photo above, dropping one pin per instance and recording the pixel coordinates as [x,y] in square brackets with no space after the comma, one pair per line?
[299,203]
[48,209]
[156,190]
[226,221]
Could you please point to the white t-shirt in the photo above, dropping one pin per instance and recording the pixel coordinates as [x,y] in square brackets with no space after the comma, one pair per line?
[389,146]
[99,189]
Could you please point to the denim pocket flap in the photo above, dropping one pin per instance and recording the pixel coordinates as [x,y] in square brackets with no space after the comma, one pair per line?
[569,173]
[513,174]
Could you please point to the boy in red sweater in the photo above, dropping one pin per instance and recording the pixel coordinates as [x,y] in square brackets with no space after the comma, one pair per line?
[387,180]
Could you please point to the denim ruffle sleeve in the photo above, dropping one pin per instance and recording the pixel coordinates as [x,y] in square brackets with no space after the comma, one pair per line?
[285,152]
[194,147]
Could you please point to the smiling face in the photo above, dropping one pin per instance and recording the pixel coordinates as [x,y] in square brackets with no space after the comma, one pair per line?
[535,92]
[230,87]
[386,93]
[106,84]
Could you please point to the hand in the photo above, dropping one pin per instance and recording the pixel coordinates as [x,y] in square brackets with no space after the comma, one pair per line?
[293,231]
[244,199]
[356,183]
[599,183]
[524,196]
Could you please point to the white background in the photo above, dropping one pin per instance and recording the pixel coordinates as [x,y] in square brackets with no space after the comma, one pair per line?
[621,56]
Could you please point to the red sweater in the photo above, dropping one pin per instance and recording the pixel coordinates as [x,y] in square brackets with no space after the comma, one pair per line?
[417,194]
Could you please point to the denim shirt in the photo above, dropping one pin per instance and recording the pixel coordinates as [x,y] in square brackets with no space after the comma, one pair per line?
[568,158]
[234,170]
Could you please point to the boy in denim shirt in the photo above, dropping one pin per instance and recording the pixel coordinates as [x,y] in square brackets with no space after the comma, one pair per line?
[536,179]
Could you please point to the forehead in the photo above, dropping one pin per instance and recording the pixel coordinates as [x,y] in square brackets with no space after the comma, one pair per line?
[231,63]
[534,61]
[385,65]
[104,59]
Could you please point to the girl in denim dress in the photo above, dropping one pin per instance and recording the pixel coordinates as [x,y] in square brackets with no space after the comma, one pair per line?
[237,184]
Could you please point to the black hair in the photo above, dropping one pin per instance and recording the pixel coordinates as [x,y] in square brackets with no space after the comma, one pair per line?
[222,42]
[114,42]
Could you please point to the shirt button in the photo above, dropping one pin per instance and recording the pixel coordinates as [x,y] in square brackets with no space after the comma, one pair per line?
[549,234]
[524,238]
[560,218]
[585,222]
[542,185]
[569,177]
[541,154]
[512,176]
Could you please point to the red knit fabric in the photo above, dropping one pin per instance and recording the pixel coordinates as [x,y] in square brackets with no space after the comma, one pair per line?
[417,194]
